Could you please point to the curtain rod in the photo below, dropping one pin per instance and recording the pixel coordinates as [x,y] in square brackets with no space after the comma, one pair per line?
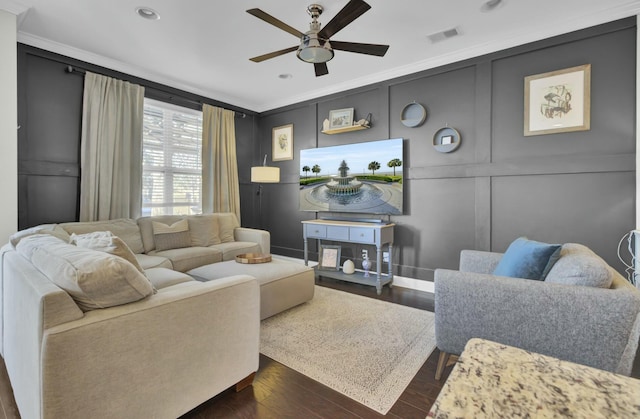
[71,69]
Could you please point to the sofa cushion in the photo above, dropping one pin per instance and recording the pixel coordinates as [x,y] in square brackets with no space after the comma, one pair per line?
[105,241]
[93,279]
[163,277]
[579,265]
[227,223]
[232,249]
[53,229]
[174,236]
[190,257]
[125,228]
[528,259]
[204,230]
[150,261]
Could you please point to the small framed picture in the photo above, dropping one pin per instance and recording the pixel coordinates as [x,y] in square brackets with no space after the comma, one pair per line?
[447,139]
[282,141]
[340,118]
[329,257]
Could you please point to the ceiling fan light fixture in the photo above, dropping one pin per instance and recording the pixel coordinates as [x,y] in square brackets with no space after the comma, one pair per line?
[312,50]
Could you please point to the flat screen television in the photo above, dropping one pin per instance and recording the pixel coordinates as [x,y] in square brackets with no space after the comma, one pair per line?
[361,178]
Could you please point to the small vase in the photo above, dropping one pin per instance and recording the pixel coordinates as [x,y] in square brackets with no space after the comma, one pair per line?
[348,267]
[366,265]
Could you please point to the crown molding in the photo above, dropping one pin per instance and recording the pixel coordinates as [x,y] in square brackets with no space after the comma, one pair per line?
[631,8]
[102,61]
[577,22]
[13,7]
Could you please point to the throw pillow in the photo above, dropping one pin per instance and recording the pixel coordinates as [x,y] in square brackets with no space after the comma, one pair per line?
[174,236]
[203,229]
[52,229]
[528,259]
[579,265]
[227,222]
[105,241]
[93,279]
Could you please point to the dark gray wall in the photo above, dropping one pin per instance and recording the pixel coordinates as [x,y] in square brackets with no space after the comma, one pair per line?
[50,118]
[498,185]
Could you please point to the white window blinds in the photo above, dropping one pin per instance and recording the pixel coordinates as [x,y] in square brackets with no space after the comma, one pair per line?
[171,159]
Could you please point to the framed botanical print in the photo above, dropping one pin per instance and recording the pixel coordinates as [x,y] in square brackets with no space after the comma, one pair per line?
[282,141]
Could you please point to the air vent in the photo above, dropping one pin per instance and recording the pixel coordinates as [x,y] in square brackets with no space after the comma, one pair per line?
[441,36]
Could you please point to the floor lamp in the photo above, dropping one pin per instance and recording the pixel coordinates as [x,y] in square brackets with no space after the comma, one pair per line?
[264,174]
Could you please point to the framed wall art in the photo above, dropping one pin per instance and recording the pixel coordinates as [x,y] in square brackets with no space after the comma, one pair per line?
[282,140]
[329,257]
[558,101]
[340,118]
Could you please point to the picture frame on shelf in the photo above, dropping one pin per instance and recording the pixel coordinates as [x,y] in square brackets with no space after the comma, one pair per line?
[558,101]
[329,257]
[282,143]
[340,118]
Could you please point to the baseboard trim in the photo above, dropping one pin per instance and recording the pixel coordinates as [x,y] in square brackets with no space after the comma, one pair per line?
[398,281]
[413,283]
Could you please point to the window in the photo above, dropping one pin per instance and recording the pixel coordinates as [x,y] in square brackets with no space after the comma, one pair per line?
[171,159]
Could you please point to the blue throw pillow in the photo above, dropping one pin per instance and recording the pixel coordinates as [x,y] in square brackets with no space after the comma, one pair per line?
[528,259]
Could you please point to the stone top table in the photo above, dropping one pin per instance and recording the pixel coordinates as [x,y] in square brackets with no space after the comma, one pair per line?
[492,380]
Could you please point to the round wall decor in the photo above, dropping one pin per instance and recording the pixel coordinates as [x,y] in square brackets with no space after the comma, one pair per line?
[413,115]
[446,140]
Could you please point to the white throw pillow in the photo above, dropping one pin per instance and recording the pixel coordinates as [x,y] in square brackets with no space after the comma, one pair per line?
[105,241]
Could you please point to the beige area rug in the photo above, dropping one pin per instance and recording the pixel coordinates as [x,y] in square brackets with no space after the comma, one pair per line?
[366,349]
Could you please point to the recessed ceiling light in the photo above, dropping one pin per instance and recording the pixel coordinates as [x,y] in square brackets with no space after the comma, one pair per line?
[285,76]
[147,13]
[490,5]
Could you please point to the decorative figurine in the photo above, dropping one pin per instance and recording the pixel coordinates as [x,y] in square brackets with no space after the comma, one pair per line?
[366,265]
[348,267]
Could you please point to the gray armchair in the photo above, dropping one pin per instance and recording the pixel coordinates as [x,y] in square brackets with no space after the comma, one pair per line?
[599,327]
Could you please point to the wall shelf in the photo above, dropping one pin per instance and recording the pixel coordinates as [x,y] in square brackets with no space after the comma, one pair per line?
[344,129]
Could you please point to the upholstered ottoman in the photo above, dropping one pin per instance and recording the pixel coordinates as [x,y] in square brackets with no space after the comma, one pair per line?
[282,284]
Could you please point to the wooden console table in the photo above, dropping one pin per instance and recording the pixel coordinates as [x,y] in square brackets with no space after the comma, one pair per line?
[377,234]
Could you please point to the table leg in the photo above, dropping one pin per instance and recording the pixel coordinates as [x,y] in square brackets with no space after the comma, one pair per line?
[378,269]
[390,264]
[306,252]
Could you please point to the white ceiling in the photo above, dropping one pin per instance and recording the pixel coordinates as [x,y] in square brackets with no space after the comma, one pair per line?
[204,46]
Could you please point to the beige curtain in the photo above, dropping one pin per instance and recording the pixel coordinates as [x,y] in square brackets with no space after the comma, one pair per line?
[111,149]
[220,185]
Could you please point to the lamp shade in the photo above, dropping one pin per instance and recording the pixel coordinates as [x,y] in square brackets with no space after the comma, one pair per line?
[265,174]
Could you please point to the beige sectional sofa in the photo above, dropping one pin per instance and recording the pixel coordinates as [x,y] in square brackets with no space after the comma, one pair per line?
[157,348]
[213,238]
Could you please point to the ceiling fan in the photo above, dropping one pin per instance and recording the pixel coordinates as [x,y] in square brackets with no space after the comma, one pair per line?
[315,46]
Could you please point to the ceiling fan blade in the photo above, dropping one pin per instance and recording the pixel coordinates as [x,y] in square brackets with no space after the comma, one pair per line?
[275,22]
[272,54]
[321,69]
[370,49]
[353,10]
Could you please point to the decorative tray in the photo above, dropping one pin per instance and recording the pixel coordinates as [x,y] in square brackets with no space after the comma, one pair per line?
[253,258]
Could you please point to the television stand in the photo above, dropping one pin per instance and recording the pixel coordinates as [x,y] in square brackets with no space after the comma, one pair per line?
[353,232]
